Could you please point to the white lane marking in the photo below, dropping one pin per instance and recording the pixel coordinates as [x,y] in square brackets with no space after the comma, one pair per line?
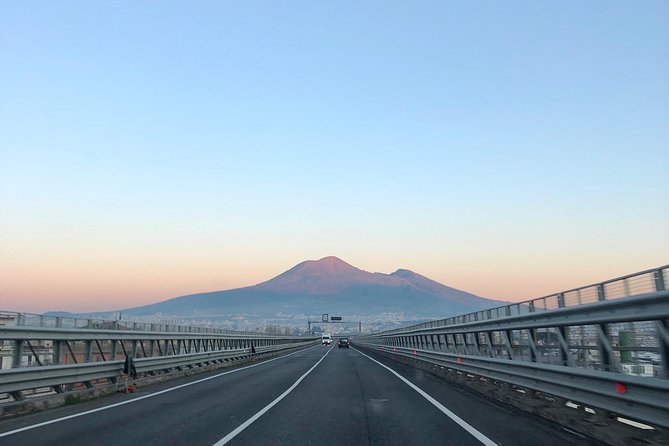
[151,395]
[248,422]
[463,424]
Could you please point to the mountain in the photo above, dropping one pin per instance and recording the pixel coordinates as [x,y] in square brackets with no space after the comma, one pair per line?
[328,285]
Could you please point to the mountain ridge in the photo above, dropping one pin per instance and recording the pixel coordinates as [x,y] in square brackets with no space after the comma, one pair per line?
[328,285]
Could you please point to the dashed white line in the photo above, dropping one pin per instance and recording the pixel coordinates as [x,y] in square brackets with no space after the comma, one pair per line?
[462,423]
[250,421]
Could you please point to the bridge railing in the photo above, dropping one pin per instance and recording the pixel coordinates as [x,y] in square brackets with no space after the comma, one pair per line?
[648,281]
[37,360]
[609,355]
[47,320]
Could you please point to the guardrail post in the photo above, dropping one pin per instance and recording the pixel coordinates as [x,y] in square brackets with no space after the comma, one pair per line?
[57,346]
[465,346]
[17,354]
[534,353]
[601,293]
[560,298]
[606,352]
[565,354]
[506,337]
[663,338]
[659,280]
[88,351]
[475,344]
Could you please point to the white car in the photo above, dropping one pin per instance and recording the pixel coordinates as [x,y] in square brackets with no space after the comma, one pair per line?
[326,339]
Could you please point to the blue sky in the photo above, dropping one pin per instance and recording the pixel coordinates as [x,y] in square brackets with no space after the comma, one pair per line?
[149,149]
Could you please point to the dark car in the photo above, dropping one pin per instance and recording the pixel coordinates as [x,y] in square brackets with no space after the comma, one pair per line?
[343,342]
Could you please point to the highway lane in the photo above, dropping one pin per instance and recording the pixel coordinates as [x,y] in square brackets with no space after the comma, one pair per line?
[198,414]
[346,399]
[504,424]
[351,400]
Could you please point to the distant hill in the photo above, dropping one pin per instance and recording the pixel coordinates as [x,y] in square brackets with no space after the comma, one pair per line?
[328,285]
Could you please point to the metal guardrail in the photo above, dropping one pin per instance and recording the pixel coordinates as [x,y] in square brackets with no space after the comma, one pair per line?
[45,320]
[611,354]
[62,359]
[17,380]
[651,280]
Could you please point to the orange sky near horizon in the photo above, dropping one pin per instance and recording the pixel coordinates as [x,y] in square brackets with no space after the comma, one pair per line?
[90,285]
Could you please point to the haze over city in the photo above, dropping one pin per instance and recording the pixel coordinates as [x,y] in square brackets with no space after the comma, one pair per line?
[148,151]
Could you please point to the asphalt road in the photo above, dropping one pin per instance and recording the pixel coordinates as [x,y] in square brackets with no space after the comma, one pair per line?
[319,396]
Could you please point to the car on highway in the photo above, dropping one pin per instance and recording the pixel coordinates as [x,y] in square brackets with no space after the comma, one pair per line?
[343,343]
[326,339]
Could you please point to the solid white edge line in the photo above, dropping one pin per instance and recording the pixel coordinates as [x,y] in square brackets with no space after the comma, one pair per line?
[248,422]
[151,395]
[462,423]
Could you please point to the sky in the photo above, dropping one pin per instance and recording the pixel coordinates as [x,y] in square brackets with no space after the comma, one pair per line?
[155,149]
